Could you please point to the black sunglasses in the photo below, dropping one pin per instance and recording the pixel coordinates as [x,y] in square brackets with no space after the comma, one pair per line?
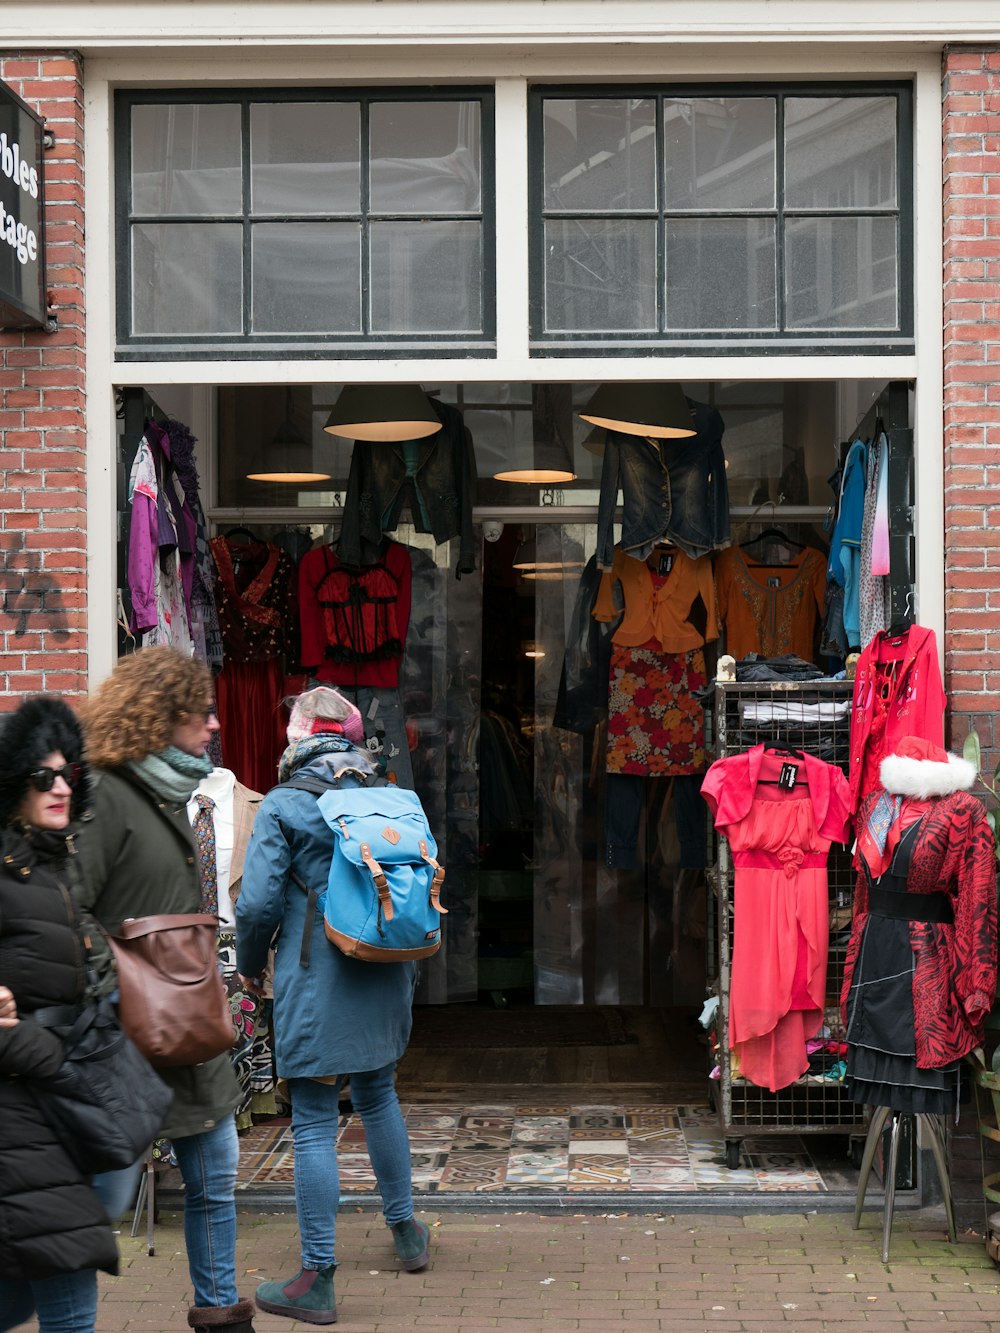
[44,779]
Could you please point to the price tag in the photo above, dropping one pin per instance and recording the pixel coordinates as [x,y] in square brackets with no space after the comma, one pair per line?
[666,563]
[789,776]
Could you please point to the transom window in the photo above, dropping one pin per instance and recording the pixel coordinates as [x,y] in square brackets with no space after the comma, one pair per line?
[272,219]
[732,215]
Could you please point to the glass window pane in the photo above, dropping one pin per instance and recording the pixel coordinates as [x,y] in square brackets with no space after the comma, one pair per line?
[306,277]
[426,277]
[840,152]
[425,157]
[187,277]
[305,157]
[600,275]
[720,273]
[719,152]
[600,154]
[841,273]
[186,159]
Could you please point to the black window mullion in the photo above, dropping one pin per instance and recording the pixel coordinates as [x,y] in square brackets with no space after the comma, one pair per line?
[780,314]
[661,222]
[365,182]
[247,294]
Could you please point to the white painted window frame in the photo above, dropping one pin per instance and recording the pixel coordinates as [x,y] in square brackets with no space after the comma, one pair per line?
[511,75]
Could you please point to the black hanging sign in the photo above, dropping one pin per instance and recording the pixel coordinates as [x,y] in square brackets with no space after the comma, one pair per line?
[22,230]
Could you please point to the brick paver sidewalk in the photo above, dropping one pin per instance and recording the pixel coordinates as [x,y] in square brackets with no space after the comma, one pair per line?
[638,1273]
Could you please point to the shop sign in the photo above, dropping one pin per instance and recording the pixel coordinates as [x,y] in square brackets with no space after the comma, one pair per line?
[22,235]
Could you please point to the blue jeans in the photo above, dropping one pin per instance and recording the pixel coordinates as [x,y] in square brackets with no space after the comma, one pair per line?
[66,1303]
[317,1181]
[208,1163]
[117,1190]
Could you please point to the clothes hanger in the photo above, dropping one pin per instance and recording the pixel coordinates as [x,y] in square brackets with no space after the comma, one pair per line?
[773,534]
[782,752]
[235,534]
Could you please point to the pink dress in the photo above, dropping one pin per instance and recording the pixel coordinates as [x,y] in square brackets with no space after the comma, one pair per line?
[779,838]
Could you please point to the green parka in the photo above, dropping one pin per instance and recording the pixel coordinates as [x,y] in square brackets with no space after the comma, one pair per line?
[137,857]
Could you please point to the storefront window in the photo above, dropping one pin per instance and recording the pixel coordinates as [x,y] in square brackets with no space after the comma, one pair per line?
[722,217]
[273,221]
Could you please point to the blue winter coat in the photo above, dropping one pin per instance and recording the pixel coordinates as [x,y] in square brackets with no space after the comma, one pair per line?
[338,1015]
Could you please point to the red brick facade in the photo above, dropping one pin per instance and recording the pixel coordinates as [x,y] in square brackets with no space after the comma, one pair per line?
[971,140]
[43,575]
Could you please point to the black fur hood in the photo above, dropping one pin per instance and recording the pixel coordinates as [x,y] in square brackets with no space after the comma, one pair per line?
[39,727]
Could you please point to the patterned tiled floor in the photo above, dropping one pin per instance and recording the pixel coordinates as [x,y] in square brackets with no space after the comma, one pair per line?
[557,1149]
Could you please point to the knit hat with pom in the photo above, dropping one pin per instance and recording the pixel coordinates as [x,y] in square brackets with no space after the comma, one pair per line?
[322,709]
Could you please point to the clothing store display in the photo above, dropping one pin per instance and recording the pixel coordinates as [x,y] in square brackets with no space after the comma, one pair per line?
[672,603]
[787,666]
[897,693]
[873,590]
[582,700]
[354,618]
[256,597]
[386,739]
[672,490]
[920,973]
[205,631]
[656,727]
[780,812]
[222,813]
[161,554]
[770,609]
[844,561]
[434,477]
[792,710]
[624,800]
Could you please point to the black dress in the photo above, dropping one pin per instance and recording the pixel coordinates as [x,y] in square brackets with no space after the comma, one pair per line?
[881,1060]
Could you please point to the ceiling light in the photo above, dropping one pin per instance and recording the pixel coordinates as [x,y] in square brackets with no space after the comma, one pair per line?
[657,410]
[382,413]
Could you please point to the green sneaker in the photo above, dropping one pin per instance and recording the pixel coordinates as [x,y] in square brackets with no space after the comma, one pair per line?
[308,1297]
[410,1239]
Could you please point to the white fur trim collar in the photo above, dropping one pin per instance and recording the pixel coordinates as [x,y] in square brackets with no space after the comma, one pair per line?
[924,778]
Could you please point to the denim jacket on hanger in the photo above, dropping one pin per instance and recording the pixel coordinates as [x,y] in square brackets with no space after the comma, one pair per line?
[672,490]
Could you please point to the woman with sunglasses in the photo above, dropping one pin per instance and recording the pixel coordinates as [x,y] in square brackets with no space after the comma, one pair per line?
[148,726]
[56,1234]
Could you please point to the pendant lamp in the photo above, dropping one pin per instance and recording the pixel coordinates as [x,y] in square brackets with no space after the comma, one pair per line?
[289,457]
[547,458]
[382,412]
[534,564]
[657,410]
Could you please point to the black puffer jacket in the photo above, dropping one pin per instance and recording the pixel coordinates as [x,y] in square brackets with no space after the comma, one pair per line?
[51,1221]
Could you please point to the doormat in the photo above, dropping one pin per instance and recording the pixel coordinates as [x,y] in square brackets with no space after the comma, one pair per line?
[477,1026]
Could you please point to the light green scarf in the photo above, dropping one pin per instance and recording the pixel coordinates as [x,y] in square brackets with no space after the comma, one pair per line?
[172,774]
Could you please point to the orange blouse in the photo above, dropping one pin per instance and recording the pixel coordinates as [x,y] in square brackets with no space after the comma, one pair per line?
[770,609]
[662,612]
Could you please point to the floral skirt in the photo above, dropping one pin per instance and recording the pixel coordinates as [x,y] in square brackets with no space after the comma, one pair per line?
[655,727]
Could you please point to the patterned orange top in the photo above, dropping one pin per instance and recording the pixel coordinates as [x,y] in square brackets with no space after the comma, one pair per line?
[770,609]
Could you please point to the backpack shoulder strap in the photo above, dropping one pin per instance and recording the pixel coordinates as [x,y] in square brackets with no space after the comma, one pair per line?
[312,898]
[303,783]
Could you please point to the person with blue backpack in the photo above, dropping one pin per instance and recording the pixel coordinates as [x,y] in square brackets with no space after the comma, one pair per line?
[336,1015]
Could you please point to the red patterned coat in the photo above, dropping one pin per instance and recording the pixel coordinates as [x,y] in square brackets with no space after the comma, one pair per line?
[955,972]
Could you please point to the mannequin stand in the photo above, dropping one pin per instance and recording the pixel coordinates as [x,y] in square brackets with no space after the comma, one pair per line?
[936,1140]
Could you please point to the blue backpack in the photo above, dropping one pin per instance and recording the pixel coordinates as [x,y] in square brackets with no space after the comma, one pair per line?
[381,902]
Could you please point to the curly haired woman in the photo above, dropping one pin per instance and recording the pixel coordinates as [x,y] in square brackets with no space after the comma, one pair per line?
[148,725]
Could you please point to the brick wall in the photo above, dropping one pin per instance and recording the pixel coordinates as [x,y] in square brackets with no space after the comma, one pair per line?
[43,591]
[971,91]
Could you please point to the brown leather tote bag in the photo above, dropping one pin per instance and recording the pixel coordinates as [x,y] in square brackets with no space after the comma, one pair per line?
[172,999]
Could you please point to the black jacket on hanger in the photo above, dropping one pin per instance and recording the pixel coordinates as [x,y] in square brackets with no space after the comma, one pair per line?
[435,477]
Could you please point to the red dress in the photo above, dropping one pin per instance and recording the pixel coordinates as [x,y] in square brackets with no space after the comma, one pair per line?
[779,838]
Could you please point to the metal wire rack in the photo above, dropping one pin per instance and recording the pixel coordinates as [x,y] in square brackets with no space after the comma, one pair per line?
[779,714]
